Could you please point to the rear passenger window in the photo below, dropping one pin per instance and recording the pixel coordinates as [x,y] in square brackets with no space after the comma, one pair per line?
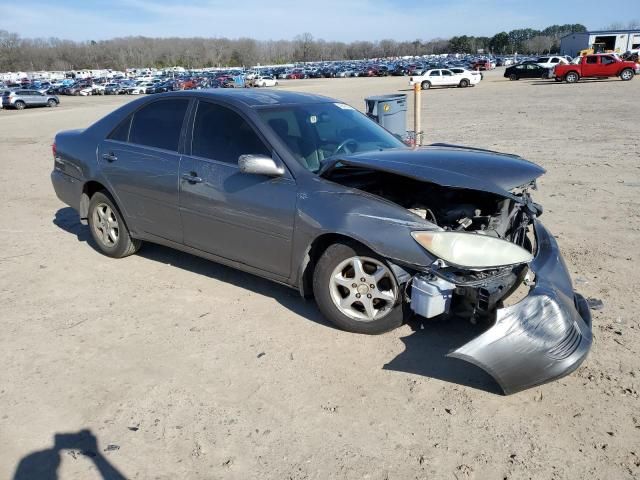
[158,124]
[221,134]
[121,132]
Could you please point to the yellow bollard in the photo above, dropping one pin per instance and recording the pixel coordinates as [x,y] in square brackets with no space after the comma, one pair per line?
[417,111]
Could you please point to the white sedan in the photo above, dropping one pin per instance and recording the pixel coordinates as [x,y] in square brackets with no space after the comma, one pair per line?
[264,81]
[442,77]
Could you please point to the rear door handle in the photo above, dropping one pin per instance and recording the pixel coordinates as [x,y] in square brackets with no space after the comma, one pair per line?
[192,177]
[110,157]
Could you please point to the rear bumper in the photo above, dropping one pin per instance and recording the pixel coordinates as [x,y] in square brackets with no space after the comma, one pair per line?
[68,189]
[545,336]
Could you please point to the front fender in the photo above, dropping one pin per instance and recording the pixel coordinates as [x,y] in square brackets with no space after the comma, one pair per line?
[380,225]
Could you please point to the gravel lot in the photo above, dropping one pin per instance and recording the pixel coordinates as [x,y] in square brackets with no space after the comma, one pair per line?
[182,368]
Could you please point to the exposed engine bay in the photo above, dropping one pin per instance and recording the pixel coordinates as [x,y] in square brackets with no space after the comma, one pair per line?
[466,292]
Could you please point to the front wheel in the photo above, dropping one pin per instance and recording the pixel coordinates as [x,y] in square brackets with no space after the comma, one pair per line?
[356,290]
[425,85]
[108,228]
[626,74]
[513,77]
[52,103]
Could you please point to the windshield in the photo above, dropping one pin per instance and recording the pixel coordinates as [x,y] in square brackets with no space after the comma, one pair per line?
[318,131]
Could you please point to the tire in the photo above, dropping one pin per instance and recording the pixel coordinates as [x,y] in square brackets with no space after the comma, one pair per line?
[425,85]
[464,83]
[513,77]
[20,105]
[571,77]
[52,103]
[103,215]
[626,74]
[381,295]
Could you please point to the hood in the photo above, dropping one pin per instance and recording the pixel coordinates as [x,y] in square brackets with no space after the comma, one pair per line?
[448,166]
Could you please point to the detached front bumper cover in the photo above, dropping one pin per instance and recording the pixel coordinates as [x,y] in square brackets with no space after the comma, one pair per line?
[545,336]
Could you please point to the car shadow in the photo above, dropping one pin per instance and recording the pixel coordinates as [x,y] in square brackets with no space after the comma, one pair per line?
[67,220]
[584,81]
[426,348]
[43,464]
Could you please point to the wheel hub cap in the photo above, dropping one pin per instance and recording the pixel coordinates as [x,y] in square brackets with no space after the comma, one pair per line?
[363,288]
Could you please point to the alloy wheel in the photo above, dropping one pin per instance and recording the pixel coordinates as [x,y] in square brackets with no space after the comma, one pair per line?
[363,288]
[105,225]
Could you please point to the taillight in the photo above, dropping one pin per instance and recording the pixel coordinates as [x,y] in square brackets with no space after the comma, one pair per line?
[54,150]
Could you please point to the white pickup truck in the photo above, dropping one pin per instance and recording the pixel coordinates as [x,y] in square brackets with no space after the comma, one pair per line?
[442,77]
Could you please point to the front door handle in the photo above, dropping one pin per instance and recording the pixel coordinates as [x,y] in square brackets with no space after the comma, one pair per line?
[192,177]
[110,157]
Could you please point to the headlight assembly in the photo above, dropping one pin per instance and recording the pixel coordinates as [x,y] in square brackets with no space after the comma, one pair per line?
[472,250]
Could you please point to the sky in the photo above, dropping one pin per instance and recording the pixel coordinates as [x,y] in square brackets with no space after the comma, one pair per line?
[344,20]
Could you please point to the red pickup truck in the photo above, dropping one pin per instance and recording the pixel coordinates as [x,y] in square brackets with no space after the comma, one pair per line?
[595,66]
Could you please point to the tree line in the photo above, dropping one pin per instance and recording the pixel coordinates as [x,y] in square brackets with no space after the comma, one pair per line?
[32,54]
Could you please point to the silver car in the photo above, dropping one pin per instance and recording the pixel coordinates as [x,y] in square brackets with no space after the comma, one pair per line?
[20,99]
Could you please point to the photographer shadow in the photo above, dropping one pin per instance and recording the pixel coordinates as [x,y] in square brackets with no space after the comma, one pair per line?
[43,464]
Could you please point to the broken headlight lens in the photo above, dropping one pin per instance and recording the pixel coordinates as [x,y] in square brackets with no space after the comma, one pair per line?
[472,250]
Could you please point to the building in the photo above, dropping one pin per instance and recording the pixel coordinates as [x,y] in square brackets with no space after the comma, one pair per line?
[618,41]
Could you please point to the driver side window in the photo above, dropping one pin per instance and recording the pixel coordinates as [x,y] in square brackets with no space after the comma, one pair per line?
[221,134]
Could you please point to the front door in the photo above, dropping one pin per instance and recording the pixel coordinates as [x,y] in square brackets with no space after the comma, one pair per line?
[242,217]
[141,162]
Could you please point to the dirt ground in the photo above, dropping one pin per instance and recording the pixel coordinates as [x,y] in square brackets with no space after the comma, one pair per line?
[181,368]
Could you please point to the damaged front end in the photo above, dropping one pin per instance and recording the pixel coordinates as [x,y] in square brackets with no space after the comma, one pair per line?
[486,243]
[544,336]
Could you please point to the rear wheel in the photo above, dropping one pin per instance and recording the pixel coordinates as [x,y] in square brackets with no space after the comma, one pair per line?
[19,105]
[572,77]
[626,74]
[463,83]
[356,290]
[108,228]
[425,85]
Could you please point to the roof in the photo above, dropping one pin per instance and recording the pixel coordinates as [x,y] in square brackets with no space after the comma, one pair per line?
[258,97]
[604,32]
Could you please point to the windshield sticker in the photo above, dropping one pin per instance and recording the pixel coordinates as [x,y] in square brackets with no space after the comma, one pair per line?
[313,119]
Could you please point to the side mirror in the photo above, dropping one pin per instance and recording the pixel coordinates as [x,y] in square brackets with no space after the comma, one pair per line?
[259,165]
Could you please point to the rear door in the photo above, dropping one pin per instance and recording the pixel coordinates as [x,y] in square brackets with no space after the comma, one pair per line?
[242,217]
[590,66]
[448,78]
[141,161]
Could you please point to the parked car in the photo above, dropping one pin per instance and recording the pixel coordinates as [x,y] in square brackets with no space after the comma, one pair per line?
[113,88]
[551,61]
[442,77]
[526,70]
[20,99]
[280,186]
[263,81]
[596,66]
